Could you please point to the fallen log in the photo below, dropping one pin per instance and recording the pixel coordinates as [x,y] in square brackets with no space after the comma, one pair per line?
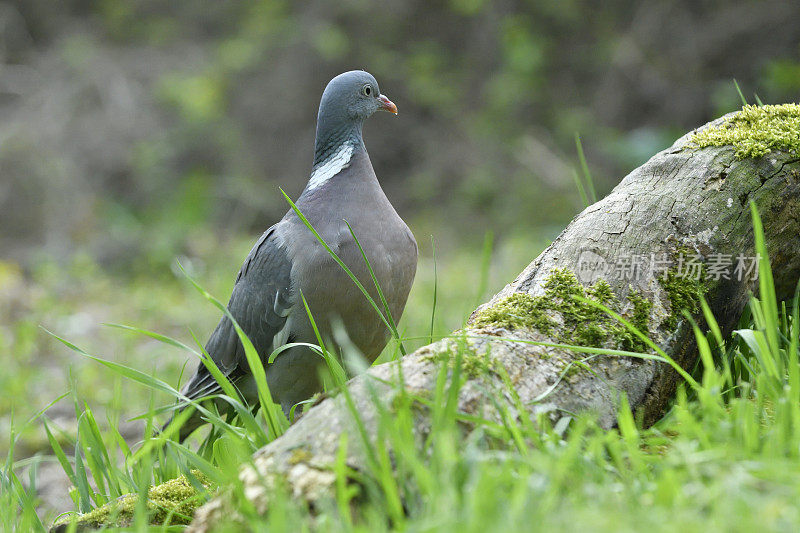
[674,229]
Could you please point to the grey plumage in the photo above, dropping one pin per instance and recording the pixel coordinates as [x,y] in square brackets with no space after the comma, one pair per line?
[288,259]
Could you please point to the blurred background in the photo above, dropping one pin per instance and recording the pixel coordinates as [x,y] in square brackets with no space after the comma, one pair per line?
[133,133]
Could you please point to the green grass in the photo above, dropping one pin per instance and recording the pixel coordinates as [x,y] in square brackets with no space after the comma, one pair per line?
[75,302]
[724,458]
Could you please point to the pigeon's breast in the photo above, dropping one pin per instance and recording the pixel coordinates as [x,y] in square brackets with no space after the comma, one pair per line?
[365,218]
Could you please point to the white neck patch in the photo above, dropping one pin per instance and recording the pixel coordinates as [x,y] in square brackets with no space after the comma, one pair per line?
[332,166]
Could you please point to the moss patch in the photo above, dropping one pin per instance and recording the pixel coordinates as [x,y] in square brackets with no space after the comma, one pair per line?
[299,455]
[472,364]
[563,312]
[516,312]
[684,293]
[756,131]
[640,316]
[172,502]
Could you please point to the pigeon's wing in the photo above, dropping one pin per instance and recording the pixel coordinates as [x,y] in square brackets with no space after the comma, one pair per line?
[261,301]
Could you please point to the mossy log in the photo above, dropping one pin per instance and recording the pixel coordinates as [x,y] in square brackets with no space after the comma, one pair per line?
[688,204]
[687,200]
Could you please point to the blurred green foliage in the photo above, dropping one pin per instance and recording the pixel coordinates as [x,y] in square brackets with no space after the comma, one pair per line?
[142,110]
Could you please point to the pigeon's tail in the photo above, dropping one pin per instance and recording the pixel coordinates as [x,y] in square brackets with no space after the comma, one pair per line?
[201,384]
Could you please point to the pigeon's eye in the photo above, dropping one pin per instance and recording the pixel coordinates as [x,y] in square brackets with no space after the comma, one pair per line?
[366,90]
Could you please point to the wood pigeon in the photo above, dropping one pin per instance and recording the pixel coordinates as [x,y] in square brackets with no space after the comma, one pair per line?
[288,259]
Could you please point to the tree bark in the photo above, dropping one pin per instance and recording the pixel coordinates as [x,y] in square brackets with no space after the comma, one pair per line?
[683,199]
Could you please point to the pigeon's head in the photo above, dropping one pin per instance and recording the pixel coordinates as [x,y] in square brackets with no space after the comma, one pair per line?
[353,96]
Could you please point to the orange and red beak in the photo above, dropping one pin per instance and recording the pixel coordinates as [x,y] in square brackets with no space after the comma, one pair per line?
[387,105]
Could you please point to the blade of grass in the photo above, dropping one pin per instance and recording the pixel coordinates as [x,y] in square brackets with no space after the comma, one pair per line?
[281,349]
[25,500]
[739,91]
[157,336]
[82,481]
[435,288]
[587,176]
[387,311]
[99,452]
[337,371]
[766,285]
[130,373]
[344,492]
[794,352]
[717,333]
[65,464]
[211,365]
[581,190]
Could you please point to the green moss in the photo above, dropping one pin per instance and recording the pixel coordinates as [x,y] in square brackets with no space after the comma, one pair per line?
[172,502]
[299,455]
[640,318]
[684,293]
[416,401]
[601,292]
[756,130]
[592,335]
[564,303]
[472,364]
[575,367]
[517,311]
